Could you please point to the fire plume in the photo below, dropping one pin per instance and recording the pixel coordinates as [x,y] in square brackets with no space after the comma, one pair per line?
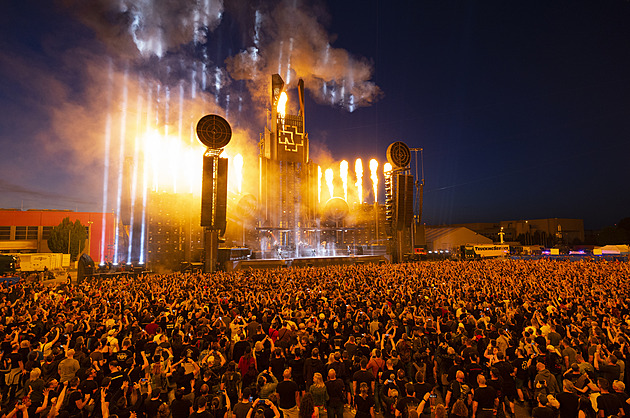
[374,177]
[358,169]
[282,104]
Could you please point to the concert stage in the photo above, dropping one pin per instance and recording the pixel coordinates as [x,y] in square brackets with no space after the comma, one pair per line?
[304,262]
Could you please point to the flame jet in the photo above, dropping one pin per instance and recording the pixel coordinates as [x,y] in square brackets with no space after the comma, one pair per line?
[358,169]
[374,177]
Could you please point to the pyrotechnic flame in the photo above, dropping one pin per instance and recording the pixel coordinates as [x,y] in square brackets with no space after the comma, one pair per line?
[282,104]
[329,181]
[238,168]
[343,172]
[387,169]
[358,169]
[374,177]
[319,184]
[167,155]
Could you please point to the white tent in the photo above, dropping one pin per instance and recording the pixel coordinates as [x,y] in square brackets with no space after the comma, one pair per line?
[451,238]
[612,250]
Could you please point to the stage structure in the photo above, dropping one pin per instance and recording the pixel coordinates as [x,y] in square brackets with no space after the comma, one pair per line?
[215,133]
[288,225]
[399,202]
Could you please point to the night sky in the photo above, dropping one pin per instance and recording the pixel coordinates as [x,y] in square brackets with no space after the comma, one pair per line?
[522,107]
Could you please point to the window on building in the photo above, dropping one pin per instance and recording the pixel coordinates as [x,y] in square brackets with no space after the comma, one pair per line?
[46,230]
[5,232]
[31,232]
[25,232]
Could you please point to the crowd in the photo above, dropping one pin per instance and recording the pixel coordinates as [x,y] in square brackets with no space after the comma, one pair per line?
[446,338]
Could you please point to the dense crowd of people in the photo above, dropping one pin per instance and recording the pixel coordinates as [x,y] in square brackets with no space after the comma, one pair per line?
[458,339]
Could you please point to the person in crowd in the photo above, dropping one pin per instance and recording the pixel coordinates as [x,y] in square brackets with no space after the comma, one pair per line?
[288,395]
[531,320]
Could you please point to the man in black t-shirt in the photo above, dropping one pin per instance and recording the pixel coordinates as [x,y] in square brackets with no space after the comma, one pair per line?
[363,375]
[407,403]
[288,391]
[454,391]
[201,412]
[569,401]
[76,401]
[606,401]
[608,368]
[336,396]
[543,410]
[619,389]
[484,400]
[180,407]
[521,366]
[241,408]
[472,371]
[312,365]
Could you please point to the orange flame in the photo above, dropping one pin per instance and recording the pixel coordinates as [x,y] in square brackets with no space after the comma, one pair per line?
[374,177]
[282,104]
[329,181]
[358,169]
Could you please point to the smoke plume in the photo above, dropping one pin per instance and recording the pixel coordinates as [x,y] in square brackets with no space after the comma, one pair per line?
[291,41]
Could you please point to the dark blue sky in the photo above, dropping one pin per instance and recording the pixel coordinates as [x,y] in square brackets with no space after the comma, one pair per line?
[522,107]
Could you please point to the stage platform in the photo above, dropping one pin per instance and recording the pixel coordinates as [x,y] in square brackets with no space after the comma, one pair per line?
[266,264]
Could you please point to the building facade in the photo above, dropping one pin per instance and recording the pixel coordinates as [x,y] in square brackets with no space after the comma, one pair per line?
[27,231]
[544,232]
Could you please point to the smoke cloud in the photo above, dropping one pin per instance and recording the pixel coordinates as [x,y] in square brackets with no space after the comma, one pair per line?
[142,78]
[151,27]
[295,44]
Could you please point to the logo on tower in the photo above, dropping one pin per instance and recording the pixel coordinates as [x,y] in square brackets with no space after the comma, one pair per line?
[290,138]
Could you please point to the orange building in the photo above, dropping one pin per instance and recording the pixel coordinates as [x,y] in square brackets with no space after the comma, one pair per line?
[27,231]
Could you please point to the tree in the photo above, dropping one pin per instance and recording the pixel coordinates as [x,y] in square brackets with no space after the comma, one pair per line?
[68,231]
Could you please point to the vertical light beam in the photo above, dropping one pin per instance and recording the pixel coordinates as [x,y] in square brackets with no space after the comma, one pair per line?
[238,168]
[343,172]
[108,140]
[319,184]
[329,181]
[121,161]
